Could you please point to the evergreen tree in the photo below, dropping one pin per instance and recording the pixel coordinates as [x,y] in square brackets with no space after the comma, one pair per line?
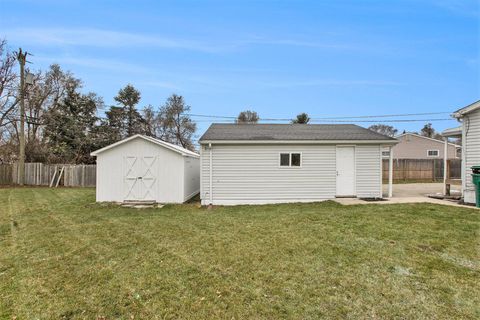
[128,98]
[70,128]
[302,118]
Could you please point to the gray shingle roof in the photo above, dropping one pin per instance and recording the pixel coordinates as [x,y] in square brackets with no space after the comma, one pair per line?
[297,132]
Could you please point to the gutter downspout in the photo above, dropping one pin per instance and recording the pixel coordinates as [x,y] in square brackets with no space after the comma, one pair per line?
[211,173]
[464,155]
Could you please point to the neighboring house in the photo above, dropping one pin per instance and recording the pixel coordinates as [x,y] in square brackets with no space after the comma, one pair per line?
[274,163]
[469,131]
[142,168]
[414,146]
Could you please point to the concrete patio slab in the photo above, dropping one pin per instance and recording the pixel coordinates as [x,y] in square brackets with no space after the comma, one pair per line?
[408,193]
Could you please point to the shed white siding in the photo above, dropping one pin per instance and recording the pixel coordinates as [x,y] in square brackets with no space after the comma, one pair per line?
[172,172]
[471,144]
[191,177]
[251,174]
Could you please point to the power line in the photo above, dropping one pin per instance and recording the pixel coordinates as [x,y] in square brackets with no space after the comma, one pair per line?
[390,115]
[207,116]
[388,120]
[230,119]
[342,121]
[324,118]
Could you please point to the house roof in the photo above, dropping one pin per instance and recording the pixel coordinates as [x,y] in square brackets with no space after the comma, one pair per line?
[463,111]
[291,132]
[452,132]
[427,138]
[175,148]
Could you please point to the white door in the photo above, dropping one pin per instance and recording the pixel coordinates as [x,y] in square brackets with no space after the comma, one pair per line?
[346,172]
[140,178]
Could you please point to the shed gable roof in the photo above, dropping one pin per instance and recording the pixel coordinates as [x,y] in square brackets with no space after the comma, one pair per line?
[170,146]
[291,132]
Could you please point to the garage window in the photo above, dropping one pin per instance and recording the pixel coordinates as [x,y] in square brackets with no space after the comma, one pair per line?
[290,159]
[284,159]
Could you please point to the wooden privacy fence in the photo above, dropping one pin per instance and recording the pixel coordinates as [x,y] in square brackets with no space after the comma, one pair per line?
[39,174]
[6,174]
[421,169]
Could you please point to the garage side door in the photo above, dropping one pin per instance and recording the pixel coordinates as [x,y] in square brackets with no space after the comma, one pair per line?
[346,171]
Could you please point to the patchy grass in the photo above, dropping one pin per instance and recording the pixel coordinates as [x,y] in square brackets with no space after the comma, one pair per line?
[64,257]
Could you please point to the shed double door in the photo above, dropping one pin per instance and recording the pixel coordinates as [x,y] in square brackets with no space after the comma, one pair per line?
[140,178]
[346,171]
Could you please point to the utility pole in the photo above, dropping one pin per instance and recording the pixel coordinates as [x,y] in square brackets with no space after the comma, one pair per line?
[22,59]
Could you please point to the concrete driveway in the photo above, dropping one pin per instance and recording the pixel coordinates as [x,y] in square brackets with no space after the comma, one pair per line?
[408,193]
[407,190]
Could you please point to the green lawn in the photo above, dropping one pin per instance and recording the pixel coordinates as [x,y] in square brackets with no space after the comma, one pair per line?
[62,256]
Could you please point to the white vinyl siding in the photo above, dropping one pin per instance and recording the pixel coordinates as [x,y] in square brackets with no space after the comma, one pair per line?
[248,174]
[472,151]
[368,171]
[191,177]
[174,178]
[251,174]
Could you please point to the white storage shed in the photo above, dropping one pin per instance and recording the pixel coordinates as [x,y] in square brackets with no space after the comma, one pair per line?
[142,168]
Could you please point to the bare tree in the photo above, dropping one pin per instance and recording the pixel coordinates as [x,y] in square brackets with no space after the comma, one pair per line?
[384,129]
[247,116]
[149,123]
[8,86]
[47,91]
[174,125]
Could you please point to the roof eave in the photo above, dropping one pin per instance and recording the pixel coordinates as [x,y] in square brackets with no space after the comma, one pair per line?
[146,138]
[97,152]
[460,113]
[388,142]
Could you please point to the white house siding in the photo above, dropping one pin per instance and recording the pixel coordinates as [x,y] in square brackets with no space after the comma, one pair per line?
[368,171]
[169,169]
[251,174]
[191,177]
[472,151]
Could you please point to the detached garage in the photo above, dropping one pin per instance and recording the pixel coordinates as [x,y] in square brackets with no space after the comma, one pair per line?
[142,168]
[273,163]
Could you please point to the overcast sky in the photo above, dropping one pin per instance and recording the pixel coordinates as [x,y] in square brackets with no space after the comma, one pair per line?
[279,58]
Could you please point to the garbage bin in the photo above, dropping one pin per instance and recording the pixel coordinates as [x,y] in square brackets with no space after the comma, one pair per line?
[476,182]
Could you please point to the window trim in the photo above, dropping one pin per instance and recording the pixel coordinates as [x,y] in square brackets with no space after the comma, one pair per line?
[435,156]
[290,160]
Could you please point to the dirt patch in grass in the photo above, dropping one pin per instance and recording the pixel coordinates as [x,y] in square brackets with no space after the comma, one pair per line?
[70,258]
